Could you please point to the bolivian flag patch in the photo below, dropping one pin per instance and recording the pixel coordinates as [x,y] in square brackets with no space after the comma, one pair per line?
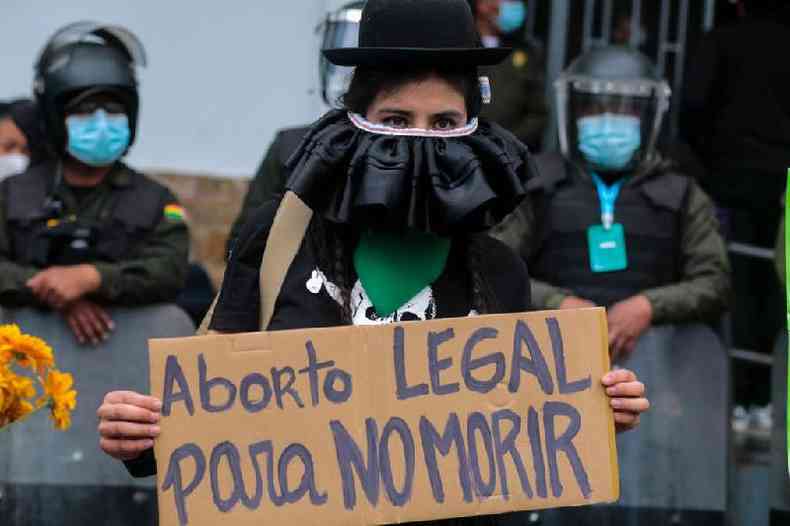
[175,212]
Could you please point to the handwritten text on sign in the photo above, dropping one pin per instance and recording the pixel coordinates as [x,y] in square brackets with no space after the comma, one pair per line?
[388,424]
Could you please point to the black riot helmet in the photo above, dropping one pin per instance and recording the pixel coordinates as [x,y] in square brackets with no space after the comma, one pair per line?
[611,80]
[82,58]
[340,29]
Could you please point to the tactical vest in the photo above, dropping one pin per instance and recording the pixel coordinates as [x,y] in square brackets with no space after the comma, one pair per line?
[41,236]
[650,208]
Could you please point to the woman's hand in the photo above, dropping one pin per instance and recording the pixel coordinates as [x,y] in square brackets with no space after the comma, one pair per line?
[627,398]
[128,424]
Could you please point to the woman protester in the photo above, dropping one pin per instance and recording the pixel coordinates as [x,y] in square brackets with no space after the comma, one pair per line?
[399,188]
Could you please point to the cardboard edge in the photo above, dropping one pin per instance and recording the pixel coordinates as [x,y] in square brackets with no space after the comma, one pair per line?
[152,344]
[607,365]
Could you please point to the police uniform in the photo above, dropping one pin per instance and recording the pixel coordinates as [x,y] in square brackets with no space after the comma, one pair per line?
[610,219]
[676,257]
[518,103]
[269,181]
[130,228]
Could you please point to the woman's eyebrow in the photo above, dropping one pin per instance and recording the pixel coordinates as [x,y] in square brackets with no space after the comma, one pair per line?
[450,114]
[396,111]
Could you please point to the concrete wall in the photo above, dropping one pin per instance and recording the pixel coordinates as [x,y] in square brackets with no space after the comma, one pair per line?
[212,204]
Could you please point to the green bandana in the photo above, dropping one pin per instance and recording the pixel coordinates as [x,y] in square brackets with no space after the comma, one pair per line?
[394,267]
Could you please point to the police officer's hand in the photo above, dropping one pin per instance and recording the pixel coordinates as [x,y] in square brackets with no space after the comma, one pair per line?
[573,302]
[88,321]
[628,320]
[128,424]
[60,286]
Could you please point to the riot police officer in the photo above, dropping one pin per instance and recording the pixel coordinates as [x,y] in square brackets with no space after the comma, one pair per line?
[340,29]
[518,103]
[612,223]
[84,230]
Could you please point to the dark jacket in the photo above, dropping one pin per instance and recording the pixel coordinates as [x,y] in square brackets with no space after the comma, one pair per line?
[269,181]
[518,101]
[690,270]
[121,227]
[737,110]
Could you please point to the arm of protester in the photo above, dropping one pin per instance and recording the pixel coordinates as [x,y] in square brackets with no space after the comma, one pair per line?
[128,425]
[14,291]
[703,292]
[627,398]
[506,273]
[158,269]
[238,307]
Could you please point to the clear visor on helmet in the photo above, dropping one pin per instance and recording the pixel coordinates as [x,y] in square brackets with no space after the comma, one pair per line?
[340,30]
[87,31]
[626,113]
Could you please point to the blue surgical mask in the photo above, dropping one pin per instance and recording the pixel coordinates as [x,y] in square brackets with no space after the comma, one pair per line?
[609,141]
[512,14]
[98,139]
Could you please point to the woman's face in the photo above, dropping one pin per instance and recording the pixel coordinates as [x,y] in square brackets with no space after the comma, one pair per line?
[429,104]
[12,140]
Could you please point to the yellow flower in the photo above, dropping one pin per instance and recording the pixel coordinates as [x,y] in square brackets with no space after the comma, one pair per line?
[63,399]
[62,419]
[7,392]
[29,351]
[33,353]
[9,334]
[23,386]
[18,409]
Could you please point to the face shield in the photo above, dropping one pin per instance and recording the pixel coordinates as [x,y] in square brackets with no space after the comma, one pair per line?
[340,30]
[80,32]
[610,125]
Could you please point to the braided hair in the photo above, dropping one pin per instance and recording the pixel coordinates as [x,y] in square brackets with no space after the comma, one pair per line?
[333,246]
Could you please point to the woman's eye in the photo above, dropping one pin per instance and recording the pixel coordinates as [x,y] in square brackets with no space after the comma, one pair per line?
[396,122]
[445,124]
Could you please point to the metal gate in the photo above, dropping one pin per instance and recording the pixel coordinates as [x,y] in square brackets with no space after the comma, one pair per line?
[671,25]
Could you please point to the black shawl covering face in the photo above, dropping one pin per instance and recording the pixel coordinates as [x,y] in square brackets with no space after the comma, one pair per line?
[457,181]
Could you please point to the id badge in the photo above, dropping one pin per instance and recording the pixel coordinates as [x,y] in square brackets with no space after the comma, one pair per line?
[607,248]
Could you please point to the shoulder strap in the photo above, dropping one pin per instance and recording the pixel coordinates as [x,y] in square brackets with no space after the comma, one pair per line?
[285,237]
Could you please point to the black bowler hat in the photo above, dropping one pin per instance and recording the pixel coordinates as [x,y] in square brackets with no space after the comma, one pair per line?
[417,33]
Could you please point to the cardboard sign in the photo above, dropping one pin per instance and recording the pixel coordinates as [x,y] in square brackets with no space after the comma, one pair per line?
[385,424]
